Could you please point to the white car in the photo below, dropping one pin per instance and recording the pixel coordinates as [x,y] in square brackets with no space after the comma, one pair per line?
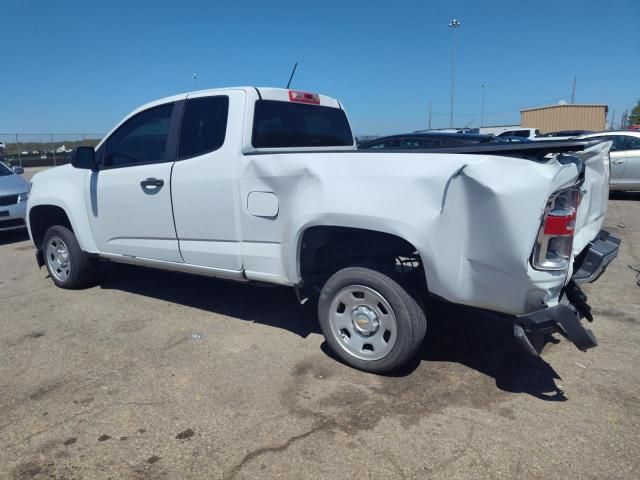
[530,133]
[13,198]
[624,158]
[266,185]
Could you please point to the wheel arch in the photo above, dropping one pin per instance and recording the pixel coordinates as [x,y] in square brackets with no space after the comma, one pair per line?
[369,232]
[44,215]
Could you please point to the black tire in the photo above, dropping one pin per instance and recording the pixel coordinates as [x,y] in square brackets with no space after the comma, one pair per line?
[79,273]
[410,320]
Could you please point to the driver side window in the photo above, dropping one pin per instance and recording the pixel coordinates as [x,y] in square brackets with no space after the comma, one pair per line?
[618,143]
[633,143]
[140,140]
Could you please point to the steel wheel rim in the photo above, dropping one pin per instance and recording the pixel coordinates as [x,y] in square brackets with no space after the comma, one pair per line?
[363,322]
[58,259]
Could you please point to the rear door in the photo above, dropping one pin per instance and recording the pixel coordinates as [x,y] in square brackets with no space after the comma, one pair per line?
[129,197]
[204,186]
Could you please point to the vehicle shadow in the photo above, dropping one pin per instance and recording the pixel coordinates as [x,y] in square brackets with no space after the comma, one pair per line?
[486,344]
[274,306]
[455,334]
[13,236]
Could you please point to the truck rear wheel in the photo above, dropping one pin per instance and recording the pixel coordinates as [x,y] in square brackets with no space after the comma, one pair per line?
[68,266]
[369,320]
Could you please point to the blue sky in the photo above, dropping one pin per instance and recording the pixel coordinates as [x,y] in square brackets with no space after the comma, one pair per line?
[79,66]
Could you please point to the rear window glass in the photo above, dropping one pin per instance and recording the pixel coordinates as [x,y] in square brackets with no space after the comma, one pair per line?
[419,143]
[282,124]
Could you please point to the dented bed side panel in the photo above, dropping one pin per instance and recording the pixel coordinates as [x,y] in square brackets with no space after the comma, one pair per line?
[595,194]
[472,218]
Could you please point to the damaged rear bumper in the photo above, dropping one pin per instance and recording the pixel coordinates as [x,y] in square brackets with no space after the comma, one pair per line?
[531,329]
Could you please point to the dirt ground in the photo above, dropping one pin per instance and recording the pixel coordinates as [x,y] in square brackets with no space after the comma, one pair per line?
[161,375]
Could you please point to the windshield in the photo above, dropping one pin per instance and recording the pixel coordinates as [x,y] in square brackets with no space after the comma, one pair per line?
[4,170]
[283,124]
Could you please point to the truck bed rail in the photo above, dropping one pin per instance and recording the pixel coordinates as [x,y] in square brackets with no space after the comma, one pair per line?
[535,150]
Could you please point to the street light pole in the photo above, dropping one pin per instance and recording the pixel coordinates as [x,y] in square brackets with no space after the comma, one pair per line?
[195,77]
[454,24]
[482,108]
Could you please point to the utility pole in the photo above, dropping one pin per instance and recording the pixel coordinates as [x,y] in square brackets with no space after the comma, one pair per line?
[53,149]
[429,114]
[18,147]
[573,92]
[482,108]
[623,120]
[613,116]
[454,24]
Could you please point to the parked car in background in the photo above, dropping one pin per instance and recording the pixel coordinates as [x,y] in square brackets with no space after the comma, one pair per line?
[624,158]
[513,139]
[565,133]
[520,132]
[3,151]
[421,141]
[448,130]
[13,198]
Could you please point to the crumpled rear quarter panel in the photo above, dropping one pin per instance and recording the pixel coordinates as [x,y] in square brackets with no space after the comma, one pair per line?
[472,218]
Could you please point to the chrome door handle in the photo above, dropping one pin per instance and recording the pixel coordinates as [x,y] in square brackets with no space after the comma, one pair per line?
[617,162]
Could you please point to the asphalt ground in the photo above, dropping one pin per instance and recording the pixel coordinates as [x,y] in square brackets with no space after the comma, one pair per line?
[153,374]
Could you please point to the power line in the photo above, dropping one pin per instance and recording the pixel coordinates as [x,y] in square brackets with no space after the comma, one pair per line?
[545,102]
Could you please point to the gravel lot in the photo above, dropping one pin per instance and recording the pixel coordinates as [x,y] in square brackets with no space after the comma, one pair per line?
[161,375]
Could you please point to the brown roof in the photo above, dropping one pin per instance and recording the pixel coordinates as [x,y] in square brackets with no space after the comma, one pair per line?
[606,107]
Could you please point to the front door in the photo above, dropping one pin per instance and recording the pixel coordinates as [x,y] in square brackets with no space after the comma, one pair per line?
[617,161]
[129,197]
[631,178]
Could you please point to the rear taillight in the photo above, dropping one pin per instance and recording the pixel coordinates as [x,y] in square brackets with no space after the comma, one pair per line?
[304,97]
[552,250]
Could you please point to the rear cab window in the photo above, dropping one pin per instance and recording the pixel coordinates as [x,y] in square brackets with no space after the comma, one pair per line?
[204,125]
[281,124]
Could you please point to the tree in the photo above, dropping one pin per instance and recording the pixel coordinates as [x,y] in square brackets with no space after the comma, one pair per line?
[634,116]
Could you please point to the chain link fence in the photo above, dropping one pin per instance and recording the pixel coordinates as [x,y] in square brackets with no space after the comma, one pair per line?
[51,149]
[43,149]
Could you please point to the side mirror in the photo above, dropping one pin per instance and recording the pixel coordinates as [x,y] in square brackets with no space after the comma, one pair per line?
[84,157]
[17,169]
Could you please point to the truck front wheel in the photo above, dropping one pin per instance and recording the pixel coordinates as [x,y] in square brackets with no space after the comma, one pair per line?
[67,264]
[369,320]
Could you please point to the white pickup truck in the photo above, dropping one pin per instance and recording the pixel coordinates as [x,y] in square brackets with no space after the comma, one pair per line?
[266,185]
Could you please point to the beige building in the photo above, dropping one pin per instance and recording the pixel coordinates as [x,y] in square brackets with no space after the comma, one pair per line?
[565,117]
